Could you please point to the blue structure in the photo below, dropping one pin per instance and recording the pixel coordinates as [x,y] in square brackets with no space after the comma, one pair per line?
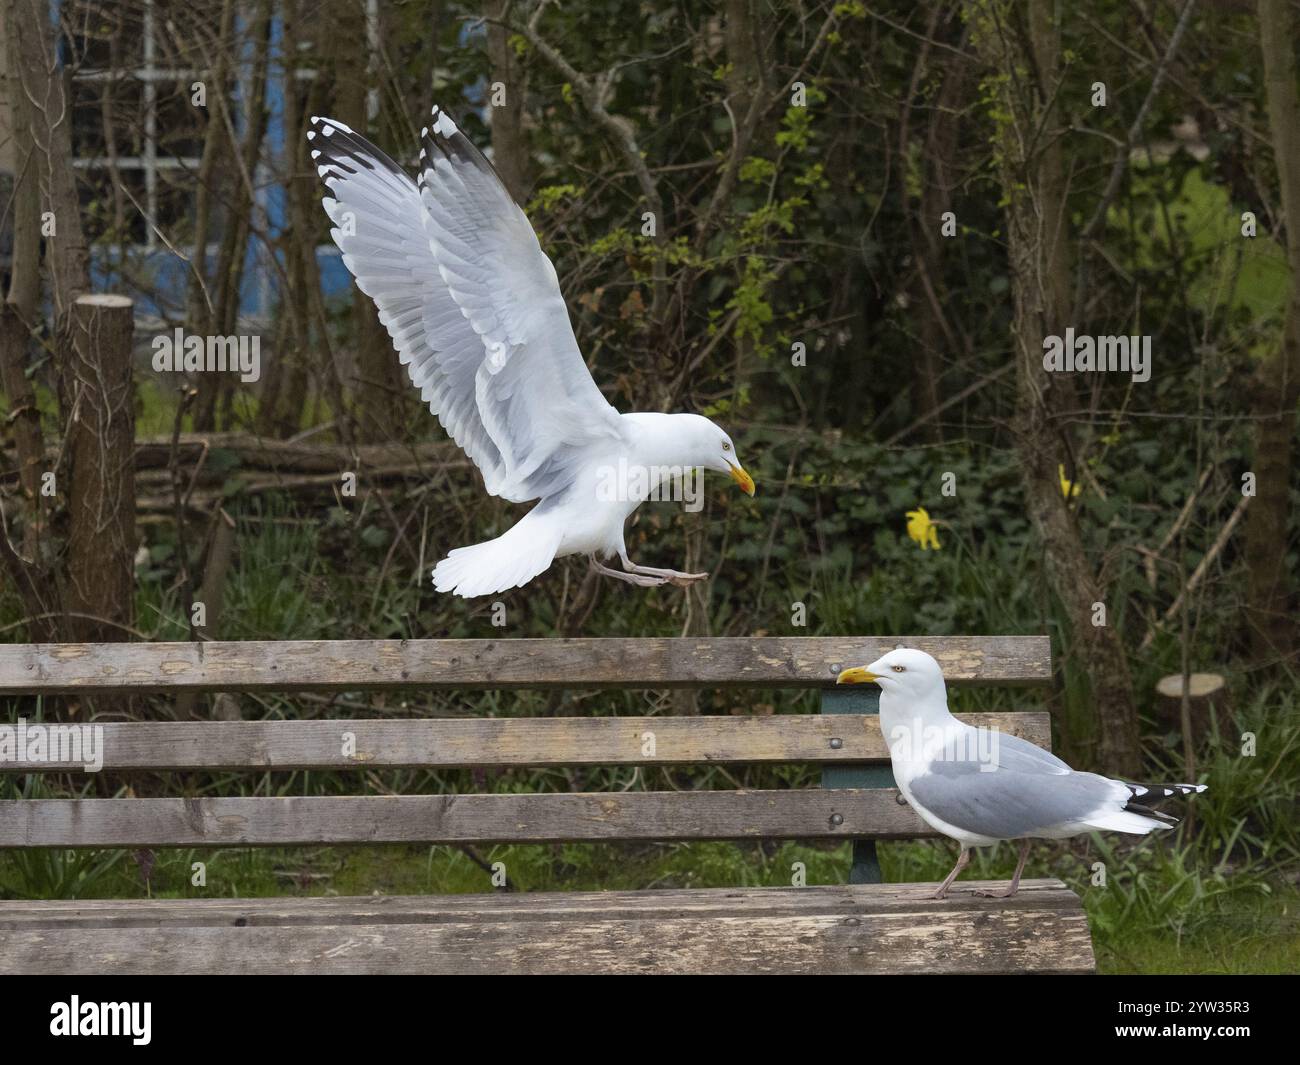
[167,274]
[163,294]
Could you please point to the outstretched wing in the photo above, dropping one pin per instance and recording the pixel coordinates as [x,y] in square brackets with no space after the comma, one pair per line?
[479,324]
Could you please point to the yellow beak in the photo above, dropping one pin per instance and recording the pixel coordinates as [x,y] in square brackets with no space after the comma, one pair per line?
[857,675]
[743,479]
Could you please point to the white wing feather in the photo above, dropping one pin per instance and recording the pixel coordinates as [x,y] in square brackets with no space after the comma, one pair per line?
[471,302]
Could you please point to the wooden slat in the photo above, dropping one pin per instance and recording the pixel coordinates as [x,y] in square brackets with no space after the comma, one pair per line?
[728,662]
[523,818]
[539,905]
[795,931]
[463,742]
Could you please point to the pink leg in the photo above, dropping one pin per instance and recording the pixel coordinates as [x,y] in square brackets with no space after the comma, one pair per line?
[1007,892]
[639,579]
[963,860]
[672,576]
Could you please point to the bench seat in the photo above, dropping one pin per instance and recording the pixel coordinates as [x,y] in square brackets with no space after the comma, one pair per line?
[861,928]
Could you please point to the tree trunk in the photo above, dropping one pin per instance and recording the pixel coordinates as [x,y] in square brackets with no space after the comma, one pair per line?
[198,307]
[284,381]
[19,313]
[101,541]
[509,147]
[938,177]
[1037,220]
[45,200]
[1276,389]
[378,382]
[40,78]
[744,49]
[232,260]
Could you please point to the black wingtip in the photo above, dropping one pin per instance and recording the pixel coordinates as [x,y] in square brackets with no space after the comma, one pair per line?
[444,136]
[1143,796]
[338,151]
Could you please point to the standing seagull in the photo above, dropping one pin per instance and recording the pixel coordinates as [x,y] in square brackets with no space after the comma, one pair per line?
[982,788]
[474,309]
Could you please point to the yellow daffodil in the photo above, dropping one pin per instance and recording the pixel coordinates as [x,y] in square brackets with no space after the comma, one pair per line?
[921,529]
[1068,488]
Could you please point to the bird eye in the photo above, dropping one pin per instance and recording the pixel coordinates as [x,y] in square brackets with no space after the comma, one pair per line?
[899,669]
[726,445]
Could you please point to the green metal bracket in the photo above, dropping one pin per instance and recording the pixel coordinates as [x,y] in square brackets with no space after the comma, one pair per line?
[862,699]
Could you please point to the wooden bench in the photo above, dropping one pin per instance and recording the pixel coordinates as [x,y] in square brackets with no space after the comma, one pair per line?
[864,926]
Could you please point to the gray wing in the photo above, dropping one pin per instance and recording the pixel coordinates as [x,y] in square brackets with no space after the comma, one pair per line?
[1014,753]
[1018,790]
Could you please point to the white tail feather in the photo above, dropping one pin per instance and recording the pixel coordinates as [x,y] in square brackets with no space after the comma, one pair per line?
[514,558]
[1125,821]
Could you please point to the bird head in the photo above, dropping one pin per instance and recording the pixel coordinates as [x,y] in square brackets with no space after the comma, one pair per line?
[905,672]
[712,449]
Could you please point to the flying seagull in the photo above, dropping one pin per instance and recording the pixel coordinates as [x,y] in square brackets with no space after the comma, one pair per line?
[474,310]
[982,788]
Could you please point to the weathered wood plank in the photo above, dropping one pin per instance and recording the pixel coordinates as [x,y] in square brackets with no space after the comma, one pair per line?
[549,905]
[332,665]
[808,937]
[1008,942]
[525,818]
[464,742]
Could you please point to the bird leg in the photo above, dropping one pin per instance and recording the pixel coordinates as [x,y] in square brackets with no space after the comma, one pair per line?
[639,579]
[672,576]
[963,860]
[1007,892]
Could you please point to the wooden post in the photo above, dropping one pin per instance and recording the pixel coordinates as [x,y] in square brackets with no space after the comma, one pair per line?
[857,700]
[101,499]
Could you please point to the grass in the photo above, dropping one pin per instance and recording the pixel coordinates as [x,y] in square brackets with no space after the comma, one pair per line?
[1250,936]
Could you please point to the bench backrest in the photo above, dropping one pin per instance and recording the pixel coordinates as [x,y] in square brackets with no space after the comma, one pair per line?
[856,800]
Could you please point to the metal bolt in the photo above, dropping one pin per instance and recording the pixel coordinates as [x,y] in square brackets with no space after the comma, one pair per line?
[852,922]
[836,743]
[837,819]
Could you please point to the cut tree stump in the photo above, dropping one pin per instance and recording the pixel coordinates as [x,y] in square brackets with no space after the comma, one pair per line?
[1207,700]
